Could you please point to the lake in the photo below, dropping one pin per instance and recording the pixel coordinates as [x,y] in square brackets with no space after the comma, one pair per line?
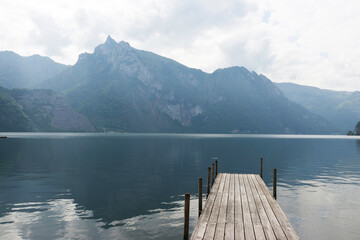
[131,186]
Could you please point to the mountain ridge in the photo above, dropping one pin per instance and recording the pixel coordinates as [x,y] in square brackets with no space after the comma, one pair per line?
[339,107]
[117,87]
[121,88]
[24,72]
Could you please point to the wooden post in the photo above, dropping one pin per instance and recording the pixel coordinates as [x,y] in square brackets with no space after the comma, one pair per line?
[261,167]
[212,176]
[186,216]
[216,166]
[208,183]
[274,185]
[200,196]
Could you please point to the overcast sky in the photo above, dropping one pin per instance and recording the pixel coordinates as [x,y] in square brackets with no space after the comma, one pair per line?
[307,42]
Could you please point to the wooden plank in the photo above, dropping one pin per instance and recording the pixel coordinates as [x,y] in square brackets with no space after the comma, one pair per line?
[238,206]
[230,214]
[269,233]
[210,231]
[239,231]
[219,196]
[269,212]
[224,200]
[220,231]
[200,228]
[220,227]
[248,227]
[259,232]
[253,211]
[229,231]
[280,215]
[239,223]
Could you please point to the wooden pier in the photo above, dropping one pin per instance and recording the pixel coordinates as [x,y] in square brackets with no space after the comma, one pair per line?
[240,206]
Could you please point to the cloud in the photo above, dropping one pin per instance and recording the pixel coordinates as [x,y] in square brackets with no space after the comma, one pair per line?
[48,34]
[307,42]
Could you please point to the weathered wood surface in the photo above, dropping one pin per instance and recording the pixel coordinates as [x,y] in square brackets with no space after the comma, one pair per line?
[240,206]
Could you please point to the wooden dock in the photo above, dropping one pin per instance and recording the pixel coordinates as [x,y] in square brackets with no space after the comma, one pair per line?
[240,206]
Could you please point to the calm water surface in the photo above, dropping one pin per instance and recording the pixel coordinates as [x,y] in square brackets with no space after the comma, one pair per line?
[131,186]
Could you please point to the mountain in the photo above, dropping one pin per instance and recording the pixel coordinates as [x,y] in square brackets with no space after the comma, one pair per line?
[38,110]
[356,130]
[124,89]
[25,72]
[12,118]
[339,107]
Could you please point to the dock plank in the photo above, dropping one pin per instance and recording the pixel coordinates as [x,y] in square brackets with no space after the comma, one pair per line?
[200,228]
[239,223]
[258,229]
[241,207]
[248,226]
[280,215]
[269,233]
[269,212]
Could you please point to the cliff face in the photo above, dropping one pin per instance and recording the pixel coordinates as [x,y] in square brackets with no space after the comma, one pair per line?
[43,110]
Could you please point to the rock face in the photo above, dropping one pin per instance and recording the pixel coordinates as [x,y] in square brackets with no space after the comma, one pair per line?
[45,111]
[124,89]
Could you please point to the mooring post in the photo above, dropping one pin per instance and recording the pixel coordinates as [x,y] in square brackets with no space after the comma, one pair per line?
[274,185]
[200,196]
[212,176]
[216,166]
[186,216]
[208,183]
[261,167]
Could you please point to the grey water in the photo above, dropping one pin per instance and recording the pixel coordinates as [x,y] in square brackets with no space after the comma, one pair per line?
[131,186]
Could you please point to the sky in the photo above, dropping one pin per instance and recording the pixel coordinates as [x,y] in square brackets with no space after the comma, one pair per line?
[306,42]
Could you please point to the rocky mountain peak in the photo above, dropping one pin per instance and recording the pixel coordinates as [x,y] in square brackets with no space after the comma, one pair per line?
[119,58]
[109,41]
[124,44]
[112,47]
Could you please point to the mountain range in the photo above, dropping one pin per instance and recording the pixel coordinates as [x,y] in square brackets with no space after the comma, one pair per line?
[120,88]
[26,72]
[339,107]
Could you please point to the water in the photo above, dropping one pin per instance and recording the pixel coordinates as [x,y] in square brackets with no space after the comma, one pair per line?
[131,186]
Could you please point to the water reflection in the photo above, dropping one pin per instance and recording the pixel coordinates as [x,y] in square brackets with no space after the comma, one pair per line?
[64,219]
[324,210]
[130,186]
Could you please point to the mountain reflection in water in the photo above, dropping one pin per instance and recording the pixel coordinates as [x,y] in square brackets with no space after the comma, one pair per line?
[131,186]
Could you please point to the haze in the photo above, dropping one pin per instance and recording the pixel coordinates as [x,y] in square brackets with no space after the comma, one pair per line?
[306,42]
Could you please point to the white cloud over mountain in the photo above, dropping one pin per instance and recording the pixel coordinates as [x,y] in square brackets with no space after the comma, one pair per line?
[307,42]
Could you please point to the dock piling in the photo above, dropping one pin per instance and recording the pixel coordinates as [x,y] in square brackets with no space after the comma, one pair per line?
[186,216]
[208,183]
[212,176]
[274,185]
[216,166]
[261,167]
[200,196]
